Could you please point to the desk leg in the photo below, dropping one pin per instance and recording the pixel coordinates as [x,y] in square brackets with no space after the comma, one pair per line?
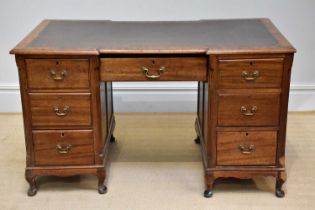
[200,110]
[202,129]
[112,139]
[111,117]
[280,179]
[209,179]
[102,189]
[31,179]
[108,126]
[205,127]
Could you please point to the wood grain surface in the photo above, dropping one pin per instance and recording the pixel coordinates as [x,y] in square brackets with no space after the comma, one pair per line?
[175,69]
[81,150]
[76,74]
[269,73]
[267,113]
[264,148]
[43,114]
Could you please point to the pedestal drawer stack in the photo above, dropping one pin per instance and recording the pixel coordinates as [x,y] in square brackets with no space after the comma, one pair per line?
[248,110]
[64,136]
[61,111]
[244,136]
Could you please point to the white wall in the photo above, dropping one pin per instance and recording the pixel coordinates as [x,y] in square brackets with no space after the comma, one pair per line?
[295,19]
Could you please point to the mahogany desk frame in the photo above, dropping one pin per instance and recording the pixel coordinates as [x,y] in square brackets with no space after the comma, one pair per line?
[234,61]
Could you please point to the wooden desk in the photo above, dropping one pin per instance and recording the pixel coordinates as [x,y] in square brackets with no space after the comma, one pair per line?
[243,67]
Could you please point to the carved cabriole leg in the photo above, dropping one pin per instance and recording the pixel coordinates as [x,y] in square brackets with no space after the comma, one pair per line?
[280,179]
[209,179]
[102,189]
[31,179]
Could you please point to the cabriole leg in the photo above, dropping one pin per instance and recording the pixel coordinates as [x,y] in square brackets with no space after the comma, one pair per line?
[209,179]
[102,189]
[280,179]
[31,179]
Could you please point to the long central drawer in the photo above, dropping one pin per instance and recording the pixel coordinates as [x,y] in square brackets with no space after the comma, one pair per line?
[154,68]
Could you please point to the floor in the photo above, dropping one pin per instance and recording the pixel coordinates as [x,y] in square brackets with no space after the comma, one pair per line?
[156,165]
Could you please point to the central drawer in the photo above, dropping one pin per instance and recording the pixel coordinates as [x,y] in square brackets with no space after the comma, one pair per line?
[63,109]
[154,68]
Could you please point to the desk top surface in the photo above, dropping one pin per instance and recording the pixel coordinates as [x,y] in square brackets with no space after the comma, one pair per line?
[93,37]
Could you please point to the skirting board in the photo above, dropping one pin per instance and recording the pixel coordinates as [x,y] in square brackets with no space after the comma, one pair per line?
[161,97]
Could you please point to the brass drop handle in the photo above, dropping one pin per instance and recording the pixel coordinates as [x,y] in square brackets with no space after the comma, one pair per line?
[62,75]
[247,77]
[145,71]
[63,112]
[63,149]
[246,151]
[250,112]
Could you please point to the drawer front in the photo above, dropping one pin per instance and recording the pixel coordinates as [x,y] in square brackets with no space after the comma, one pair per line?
[63,147]
[250,73]
[151,69]
[60,109]
[57,73]
[246,148]
[249,109]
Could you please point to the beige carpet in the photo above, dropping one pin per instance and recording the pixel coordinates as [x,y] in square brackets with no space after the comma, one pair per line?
[156,165]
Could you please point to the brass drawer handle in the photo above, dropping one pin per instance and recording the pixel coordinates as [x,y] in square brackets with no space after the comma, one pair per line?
[62,75]
[63,149]
[250,112]
[253,77]
[145,71]
[63,112]
[246,151]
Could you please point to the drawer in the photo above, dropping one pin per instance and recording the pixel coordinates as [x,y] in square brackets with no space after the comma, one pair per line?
[152,68]
[58,73]
[246,148]
[60,109]
[251,73]
[63,147]
[254,109]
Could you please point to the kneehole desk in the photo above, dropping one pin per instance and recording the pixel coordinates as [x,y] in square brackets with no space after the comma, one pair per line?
[243,67]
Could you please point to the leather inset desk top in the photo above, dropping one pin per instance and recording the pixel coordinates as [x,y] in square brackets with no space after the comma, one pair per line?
[204,36]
